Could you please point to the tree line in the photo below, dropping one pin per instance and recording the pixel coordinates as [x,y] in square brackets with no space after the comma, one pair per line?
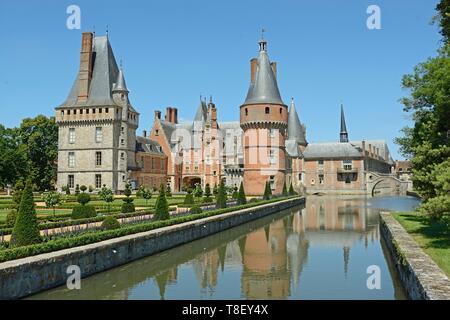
[29,151]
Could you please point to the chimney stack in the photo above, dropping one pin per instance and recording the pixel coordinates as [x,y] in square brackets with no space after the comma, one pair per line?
[85,75]
[253,67]
[171,115]
[144,133]
[157,114]
[274,68]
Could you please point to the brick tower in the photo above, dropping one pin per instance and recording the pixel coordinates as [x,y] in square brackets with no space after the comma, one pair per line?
[263,118]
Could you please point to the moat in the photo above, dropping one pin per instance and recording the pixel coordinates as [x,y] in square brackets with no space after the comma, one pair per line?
[317,251]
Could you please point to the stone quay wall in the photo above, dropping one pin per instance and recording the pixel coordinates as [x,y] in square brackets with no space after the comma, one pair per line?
[419,274]
[26,276]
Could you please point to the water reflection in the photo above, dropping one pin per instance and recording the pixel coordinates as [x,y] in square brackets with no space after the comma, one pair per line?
[320,251]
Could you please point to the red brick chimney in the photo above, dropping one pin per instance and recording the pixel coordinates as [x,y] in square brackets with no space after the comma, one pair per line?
[157,114]
[274,68]
[85,75]
[253,66]
[171,115]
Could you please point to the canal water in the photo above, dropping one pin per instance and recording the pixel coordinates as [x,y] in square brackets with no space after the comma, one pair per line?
[318,251]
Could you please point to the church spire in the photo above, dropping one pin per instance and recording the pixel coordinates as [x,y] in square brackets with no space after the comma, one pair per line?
[343,134]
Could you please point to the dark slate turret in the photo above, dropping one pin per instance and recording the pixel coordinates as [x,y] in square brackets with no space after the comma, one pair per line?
[263,88]
[344,134]
[120,84]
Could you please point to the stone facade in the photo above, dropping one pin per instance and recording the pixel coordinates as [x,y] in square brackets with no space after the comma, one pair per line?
[97,123]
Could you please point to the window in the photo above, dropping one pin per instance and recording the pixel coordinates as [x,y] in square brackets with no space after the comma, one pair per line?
[347,179]
[267,110]
[98,181]
[214,173]
[400,169]
[100,110]
[93,111]
[71,181]
[62,113]
[162,164]
[123,178]
[153,163]
[156,132]
[122,130]
[271,133]
[272,158]
[81,111]
[122,142]
[122,156]
[71,159]
[106,110]
[98,158]
[68,112]
[281,110]
[75,111]
[71,135]
[98,134]
[142,161]
[320,163]
[347,164]
[187,169]
[320,178]
[299,177]
[272,182]
[87,111]
[246,111]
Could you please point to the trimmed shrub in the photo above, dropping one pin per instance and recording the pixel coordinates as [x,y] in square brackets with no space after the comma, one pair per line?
[83,188]
[215,189]
[253,200]
[91,189]
[110,223]
[235,193]
[83,211]
[161,206]
[198,192]
[128,205]
[168,192]
[26,230]
[221,199]
[189,199]
[267,192]
[241,199]
[285,192]
[291,190]
[11,218]
[77,189]
[83,198]
[195,210]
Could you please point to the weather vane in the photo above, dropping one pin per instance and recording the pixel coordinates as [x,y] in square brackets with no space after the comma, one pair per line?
[262,33]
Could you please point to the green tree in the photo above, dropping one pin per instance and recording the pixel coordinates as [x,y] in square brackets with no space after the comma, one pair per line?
[241,199]
[235,193]
[13,160]
[427,142]
[26,230]
[52,199]
[77,189]
[106,195]
[39,136]
[17,193]
[221,198]
[83,188]
[215,190]
[162,206]
[144,193]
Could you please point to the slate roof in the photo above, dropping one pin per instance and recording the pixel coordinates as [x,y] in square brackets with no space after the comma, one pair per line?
[331,150]
[295,129]
[265,88]
[147,145]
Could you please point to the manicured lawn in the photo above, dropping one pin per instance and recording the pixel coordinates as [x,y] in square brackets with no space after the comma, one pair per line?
[434,238]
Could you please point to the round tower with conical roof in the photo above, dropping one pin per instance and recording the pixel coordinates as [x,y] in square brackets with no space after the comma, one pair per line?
[263,118]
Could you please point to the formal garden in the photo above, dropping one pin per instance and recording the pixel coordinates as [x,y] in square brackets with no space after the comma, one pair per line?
[33,223]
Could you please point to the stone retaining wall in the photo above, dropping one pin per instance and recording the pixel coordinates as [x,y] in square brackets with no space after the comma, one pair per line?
[420,276]
[22,277]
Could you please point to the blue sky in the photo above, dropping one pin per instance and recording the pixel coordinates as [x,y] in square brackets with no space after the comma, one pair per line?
[174,51]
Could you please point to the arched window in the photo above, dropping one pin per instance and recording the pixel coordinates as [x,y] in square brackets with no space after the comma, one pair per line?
[267,110]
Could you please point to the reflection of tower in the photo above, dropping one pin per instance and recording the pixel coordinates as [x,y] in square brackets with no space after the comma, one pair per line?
[206,268]
[265,274]
[346,259]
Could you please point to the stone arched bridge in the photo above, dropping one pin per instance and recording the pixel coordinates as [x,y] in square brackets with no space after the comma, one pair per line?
[383,184]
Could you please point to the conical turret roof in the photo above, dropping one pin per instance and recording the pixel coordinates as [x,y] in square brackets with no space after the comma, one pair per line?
[295,129]
[264,89]
[120,84]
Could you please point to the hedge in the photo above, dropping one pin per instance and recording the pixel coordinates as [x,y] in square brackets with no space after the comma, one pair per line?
[97,236]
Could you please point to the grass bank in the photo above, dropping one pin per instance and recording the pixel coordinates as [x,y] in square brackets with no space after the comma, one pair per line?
[432,237]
